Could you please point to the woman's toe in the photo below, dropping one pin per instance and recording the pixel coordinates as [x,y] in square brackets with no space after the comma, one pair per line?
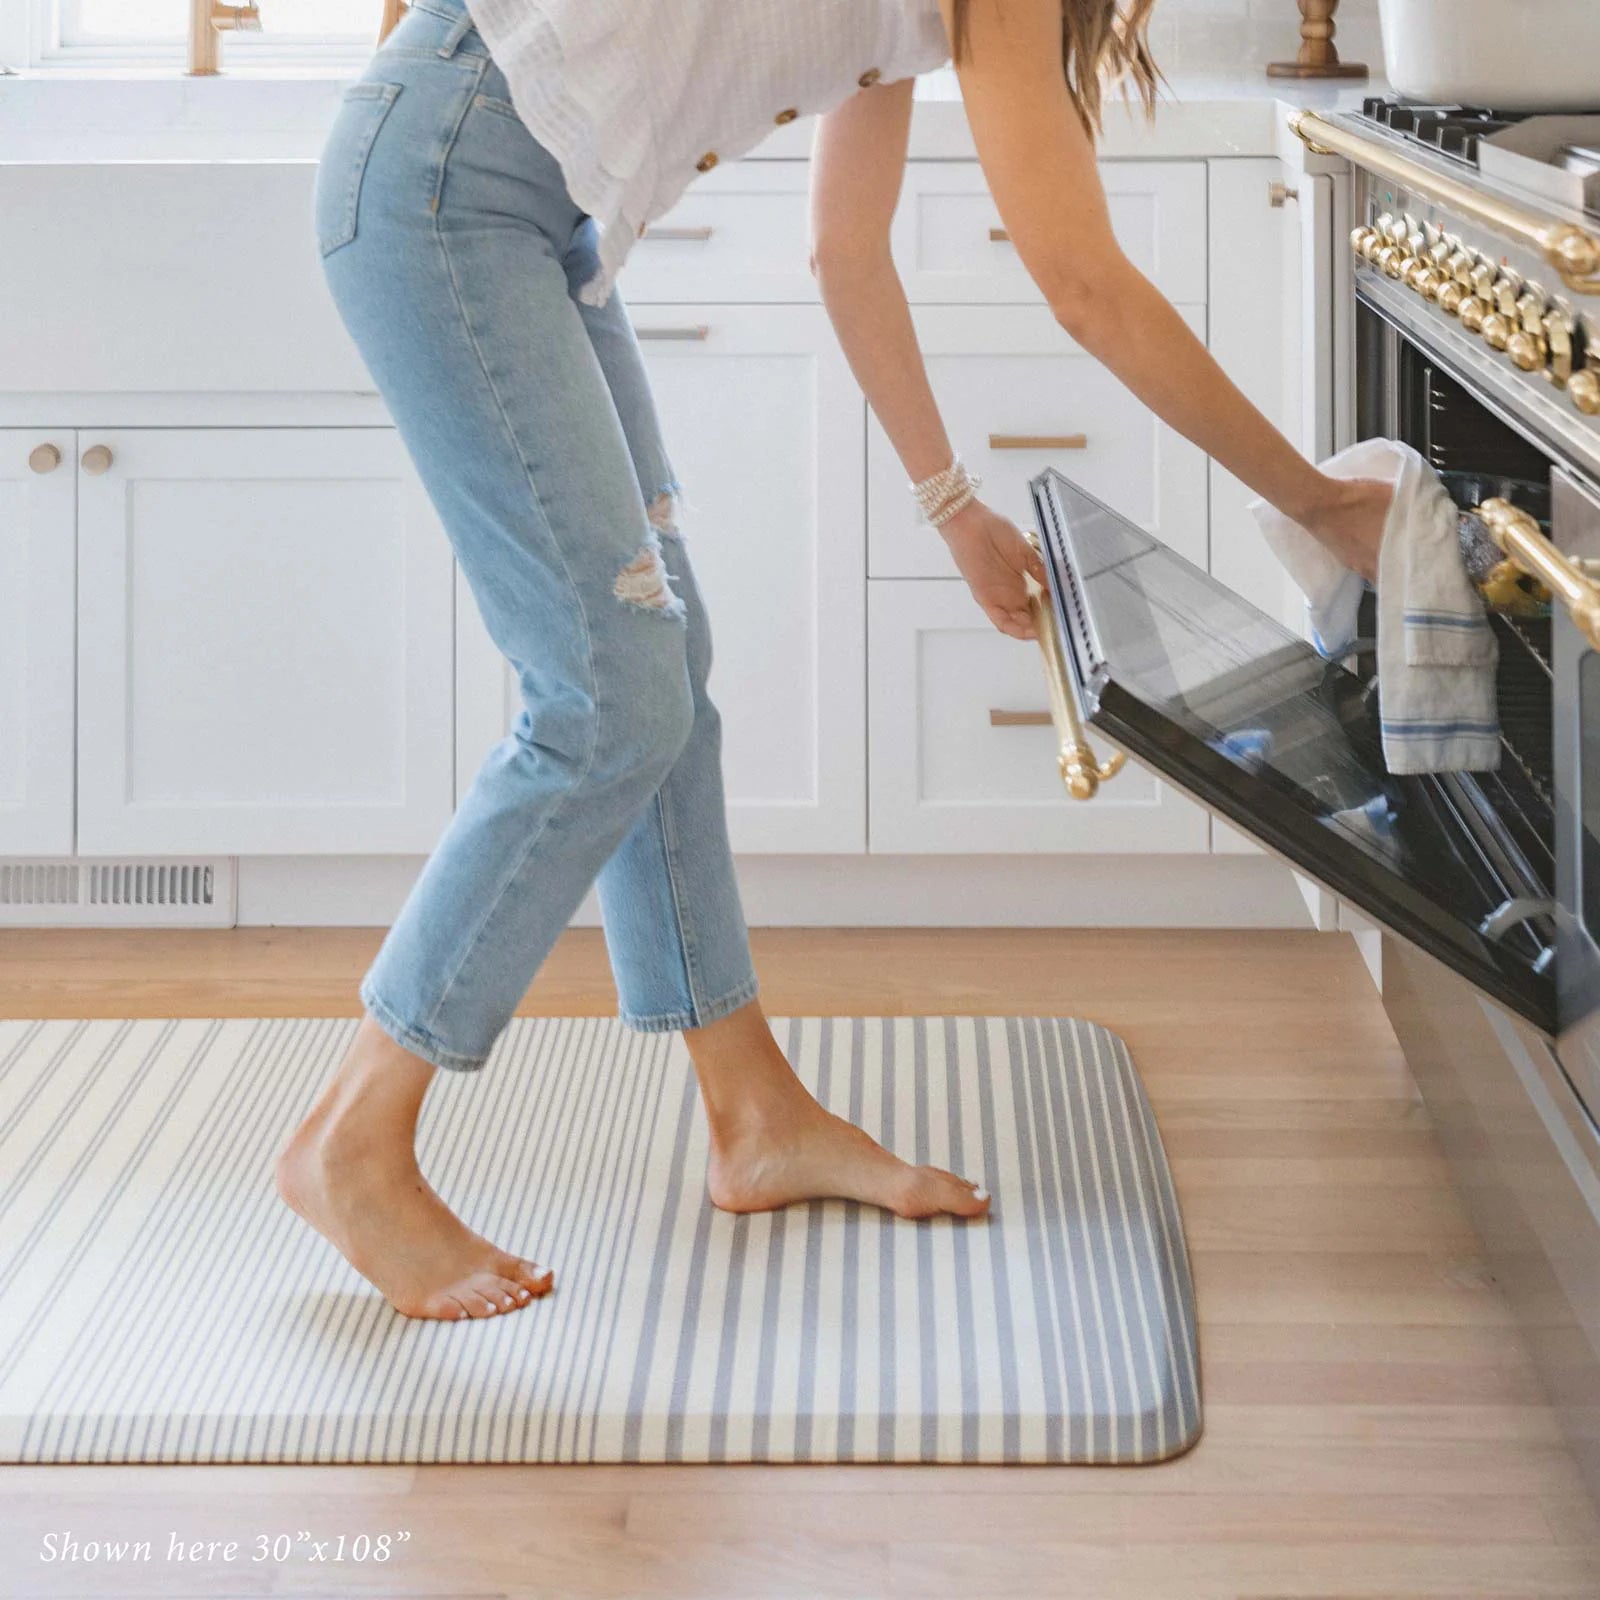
[530,1275]
[477,1301]
[507,1293]
[944,1191]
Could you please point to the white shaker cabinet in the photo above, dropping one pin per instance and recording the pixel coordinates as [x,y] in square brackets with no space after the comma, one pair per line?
[264,643]
[964,754]
[37,509]
[1018,395]
[765,428]
[951,247]
[1271,320]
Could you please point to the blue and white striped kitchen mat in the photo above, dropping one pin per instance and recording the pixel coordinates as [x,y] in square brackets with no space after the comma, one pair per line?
[158,1302]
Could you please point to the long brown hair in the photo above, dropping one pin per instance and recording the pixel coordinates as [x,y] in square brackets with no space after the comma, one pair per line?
[1101,42]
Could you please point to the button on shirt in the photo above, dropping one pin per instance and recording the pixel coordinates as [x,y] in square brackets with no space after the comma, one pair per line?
[634,98]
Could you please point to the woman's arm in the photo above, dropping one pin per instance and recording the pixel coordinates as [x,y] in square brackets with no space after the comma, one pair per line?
[1040,166]
[857,163]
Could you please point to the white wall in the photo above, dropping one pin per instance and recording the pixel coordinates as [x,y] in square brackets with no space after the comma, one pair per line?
[1195,37]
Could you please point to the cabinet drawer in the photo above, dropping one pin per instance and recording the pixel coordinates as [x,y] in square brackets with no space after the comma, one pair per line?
[950,244]
[739,233]
[958,764]
[1018,395]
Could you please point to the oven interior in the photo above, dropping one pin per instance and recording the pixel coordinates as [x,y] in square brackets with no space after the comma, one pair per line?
[1404,393]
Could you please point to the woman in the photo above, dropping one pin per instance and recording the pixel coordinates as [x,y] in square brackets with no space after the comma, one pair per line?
[477,193]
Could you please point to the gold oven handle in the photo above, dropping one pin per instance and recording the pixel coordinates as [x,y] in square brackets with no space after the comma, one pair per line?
[1519,536]
[1081,771]
[1571,251]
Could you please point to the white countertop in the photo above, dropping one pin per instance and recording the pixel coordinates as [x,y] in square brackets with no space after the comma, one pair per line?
[83,116]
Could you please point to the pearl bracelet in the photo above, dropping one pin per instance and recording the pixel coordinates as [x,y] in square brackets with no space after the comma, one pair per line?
[942,495]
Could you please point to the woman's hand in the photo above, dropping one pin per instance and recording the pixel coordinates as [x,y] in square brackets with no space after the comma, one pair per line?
[993,554]
[1348,518]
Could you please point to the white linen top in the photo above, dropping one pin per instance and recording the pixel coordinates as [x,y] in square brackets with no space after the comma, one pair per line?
[634,98]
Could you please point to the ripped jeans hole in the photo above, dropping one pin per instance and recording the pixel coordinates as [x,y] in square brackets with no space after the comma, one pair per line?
[644,583]
[662,511]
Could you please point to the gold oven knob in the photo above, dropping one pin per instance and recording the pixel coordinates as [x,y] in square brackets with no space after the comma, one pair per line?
[1393,260]
[1526,349]
[1584,388]
[1358,240]
[1496,330]
[1460,268]
[1507,287]
[1472,311]
[1558,331]
[1450,296]
[1421,277]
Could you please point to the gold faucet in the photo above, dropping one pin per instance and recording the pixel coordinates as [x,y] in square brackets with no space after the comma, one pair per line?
[208,19]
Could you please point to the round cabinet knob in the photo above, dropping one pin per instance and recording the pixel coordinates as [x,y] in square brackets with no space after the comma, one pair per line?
[44,458]
[1584,388]
[96,459]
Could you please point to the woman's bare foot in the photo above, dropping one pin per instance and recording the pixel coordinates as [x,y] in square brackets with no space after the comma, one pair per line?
[810,1154]
[351,1171]
[772,1144]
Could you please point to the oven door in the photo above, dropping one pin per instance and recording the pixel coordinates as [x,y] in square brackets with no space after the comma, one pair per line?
[1576,528]
[1232,708]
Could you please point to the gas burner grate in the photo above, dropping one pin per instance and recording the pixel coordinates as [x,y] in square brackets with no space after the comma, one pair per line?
[1452,130]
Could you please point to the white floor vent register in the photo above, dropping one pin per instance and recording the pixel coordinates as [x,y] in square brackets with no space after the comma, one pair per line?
[37,891]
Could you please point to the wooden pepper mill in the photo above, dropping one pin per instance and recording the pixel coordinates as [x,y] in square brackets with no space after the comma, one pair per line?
[1318,57]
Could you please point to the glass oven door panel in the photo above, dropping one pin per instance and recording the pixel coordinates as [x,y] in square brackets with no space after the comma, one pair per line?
[1235,710]
[1576,530]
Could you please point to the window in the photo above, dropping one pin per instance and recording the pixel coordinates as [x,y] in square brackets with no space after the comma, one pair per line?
[155,32]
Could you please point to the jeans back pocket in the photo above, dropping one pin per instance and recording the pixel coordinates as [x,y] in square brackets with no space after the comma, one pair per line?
[337,193]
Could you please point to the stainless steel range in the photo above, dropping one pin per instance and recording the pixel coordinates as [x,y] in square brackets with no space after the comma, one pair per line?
[1474,334]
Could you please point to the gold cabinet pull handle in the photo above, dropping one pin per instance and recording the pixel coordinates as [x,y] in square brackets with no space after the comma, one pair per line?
[700,331]
[1038,441]
[697,235]
[1081,771]
[1519,536]
[1018,719]
[999,236]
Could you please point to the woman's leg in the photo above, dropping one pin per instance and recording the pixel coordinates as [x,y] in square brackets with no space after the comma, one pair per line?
[674,926]
[442,230]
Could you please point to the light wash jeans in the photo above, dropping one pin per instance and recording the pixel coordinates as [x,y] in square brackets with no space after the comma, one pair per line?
[454,252]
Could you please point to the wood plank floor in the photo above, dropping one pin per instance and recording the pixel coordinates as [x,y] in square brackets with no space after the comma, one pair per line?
[1373,1426]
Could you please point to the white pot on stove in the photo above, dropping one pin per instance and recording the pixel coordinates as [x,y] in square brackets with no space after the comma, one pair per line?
[1514,55]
